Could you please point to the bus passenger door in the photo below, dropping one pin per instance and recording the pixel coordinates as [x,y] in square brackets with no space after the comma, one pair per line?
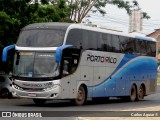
[65,83]
[69,71]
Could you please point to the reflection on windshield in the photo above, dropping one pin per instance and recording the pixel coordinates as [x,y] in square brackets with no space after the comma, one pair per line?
[41,38]
[36,65]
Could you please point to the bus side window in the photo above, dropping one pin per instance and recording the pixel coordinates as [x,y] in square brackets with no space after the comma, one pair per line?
[137,47]
[74,38]
[123,44]
[130,46]
[92,42]
[89,40]
[143,47]
[107,45]
[115,44]
[153,48]
[102,43]
[149,51]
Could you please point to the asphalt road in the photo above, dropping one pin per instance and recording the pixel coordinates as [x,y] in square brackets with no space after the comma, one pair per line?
[61,108]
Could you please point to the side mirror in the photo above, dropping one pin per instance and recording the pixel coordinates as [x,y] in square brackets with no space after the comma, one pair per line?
[5,52]
[59,52]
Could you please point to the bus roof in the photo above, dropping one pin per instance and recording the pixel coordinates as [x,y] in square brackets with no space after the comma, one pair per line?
[47,25]
[105,30]
[68,26]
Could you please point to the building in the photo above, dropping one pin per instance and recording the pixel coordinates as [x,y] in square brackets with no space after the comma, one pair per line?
[156,35]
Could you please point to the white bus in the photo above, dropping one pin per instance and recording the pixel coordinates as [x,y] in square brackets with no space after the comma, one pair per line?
[78,62]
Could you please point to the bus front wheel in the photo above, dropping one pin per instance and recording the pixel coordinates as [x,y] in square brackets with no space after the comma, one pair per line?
[81,97]
[39,101]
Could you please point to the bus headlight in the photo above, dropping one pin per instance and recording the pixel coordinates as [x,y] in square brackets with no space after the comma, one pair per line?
[17,87]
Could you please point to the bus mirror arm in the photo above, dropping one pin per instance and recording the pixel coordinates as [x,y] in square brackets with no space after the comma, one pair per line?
[59,52]
[5,52]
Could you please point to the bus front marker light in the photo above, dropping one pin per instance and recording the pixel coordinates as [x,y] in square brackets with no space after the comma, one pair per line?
[53,95]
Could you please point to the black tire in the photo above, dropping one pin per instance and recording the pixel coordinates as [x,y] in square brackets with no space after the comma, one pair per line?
[39,101]
[4,93]
[140,94]
[133,94]
[81,97]
[101,100]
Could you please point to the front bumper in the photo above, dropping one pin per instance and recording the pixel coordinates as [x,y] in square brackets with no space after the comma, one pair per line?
[50,94]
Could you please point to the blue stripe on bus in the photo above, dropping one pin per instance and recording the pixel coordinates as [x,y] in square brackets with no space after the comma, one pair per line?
[125,60]
[136,68]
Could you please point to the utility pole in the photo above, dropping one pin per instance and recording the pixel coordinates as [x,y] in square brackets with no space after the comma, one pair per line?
[136,21]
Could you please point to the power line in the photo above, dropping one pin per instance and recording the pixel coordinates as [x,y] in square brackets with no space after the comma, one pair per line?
[117,20]
[111,19]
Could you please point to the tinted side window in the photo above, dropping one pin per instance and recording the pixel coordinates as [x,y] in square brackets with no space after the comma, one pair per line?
[127,45]
[140,47]
[107,45]
[123,43]
[100,42]
[2,79]
[85,40]
[93,40]
[130,48]
[115,43]
[90,40]
[148,47]
[74,38]
[151,48]
[137,47]
[143,47]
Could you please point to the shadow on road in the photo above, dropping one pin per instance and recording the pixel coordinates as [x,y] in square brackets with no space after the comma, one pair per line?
[67,103]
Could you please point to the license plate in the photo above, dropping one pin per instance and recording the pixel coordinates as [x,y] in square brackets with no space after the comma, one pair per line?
[32,95]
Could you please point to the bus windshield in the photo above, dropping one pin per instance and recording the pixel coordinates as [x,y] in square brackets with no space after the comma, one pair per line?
[35,64]
[41,38]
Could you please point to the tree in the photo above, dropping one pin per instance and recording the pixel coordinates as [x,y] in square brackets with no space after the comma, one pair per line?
[15,14]
[80,8]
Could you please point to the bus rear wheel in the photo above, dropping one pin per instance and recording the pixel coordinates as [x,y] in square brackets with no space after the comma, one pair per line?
[39,101]
[81,97]
[140,94]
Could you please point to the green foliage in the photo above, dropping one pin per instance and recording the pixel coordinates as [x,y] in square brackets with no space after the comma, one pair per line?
[80,8]
[158,50]
[44,1]
[7,29]
[15,14]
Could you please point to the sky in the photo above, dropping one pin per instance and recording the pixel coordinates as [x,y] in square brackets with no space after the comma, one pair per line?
[118,18]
